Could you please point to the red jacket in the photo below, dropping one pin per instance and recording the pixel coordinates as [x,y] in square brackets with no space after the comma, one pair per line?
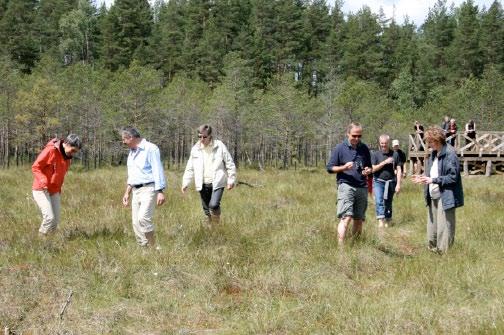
[50,167]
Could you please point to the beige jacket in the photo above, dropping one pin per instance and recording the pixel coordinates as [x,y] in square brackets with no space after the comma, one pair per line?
[224,167]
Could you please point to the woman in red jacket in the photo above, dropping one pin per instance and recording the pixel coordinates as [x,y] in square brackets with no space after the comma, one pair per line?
[49,171]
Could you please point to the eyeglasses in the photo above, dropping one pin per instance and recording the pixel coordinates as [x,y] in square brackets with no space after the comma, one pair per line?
[202,136]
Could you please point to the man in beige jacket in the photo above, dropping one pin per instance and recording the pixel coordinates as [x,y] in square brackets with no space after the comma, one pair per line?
[213,168]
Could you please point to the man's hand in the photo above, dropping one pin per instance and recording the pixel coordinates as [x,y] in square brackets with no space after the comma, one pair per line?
[348,166]
[125,199]
[389,160]
[367,171]
[160,198]
[230,186]
[183,189]
[397,189]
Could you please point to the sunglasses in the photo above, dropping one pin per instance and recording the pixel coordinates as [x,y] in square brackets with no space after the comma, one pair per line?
[202,136]
[356,136]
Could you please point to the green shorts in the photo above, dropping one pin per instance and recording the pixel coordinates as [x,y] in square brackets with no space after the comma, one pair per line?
[352,201]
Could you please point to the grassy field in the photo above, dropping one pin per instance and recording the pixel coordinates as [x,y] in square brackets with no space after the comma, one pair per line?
[272,267]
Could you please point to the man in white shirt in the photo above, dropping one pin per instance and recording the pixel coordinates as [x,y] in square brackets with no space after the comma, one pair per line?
[146,180]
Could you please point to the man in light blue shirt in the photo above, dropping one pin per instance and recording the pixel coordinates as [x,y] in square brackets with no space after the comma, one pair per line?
[146,181]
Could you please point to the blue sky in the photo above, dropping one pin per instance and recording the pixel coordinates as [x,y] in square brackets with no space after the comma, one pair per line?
[415,9]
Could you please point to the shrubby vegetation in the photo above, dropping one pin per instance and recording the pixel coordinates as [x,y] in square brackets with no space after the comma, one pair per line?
[278,79]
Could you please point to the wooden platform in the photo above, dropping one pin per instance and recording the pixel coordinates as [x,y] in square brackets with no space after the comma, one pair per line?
[482,155]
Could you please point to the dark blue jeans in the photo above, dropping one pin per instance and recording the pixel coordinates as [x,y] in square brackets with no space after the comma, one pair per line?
[383,207]
[210,199]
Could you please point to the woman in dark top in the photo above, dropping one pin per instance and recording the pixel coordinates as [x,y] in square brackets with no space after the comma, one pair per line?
[470,131]
[452,131]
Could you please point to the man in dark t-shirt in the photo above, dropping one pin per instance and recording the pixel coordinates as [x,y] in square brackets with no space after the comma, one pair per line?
[387,175]
[351,161]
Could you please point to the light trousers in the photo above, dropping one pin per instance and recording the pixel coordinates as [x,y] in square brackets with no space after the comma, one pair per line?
[50,207]
[143,203]
[440,226]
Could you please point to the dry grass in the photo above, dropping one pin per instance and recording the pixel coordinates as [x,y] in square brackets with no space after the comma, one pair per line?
[272,267]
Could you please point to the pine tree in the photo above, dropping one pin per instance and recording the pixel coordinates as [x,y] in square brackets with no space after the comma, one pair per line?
[211,51]
[231,16]
[166,42]
[289,34]
[390,39]
[492,35]
[317,27]
[49,13]
[362,57]
[465,49]
[197,14]
[126,30]
[334,46]
[3,7]
[262,40]
[17,33]
[438,33]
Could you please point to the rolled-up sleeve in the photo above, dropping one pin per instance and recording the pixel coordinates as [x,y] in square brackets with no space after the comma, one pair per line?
[333,161]
[157,169]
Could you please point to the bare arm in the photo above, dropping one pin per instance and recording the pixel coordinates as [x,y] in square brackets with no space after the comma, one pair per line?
[125,199]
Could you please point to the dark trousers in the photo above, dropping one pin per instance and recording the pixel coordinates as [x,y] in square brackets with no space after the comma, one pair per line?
[210,199]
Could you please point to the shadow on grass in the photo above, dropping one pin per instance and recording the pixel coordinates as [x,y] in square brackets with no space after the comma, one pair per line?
[103,233]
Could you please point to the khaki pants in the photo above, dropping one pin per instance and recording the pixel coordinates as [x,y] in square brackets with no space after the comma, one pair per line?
[440,226]
[142,207]
[50,207]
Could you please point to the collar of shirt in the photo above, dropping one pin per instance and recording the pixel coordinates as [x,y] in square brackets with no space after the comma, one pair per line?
[211,144]
[347,143]
[139,147]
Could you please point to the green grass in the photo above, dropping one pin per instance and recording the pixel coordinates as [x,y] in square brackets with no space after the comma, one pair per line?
[272,267]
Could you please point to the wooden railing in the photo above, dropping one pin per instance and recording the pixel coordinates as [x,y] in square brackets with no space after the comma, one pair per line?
[485,143]
[482,153]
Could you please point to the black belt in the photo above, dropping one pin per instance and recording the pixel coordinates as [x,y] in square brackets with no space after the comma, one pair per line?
[142,185]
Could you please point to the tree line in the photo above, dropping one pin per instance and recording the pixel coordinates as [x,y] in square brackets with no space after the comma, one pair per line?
[279,80]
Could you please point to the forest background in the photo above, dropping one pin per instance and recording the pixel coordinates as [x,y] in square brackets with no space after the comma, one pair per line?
[279,80]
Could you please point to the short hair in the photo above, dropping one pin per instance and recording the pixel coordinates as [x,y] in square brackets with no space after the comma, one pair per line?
[435,134]
[73,140]
[384,137]
[130,132]
[353,125]
[205,128]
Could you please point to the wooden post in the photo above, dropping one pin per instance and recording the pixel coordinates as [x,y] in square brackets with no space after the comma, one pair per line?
[488,171]
[466,168]
[410,167]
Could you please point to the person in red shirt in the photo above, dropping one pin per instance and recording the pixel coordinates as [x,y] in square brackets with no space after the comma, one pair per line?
[49,171]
